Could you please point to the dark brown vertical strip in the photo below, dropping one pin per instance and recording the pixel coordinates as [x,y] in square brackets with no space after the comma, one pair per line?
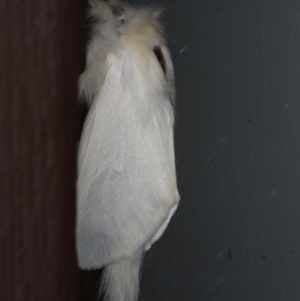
[38,133]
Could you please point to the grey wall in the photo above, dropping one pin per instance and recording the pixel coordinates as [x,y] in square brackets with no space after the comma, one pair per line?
[236,234]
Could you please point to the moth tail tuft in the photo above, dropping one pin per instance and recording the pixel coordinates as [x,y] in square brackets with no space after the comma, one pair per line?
[120,280]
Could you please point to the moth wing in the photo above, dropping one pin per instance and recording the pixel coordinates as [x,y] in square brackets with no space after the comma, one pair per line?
[126,188]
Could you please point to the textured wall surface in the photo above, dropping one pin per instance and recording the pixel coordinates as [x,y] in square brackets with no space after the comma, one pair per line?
[236,234]
[39,119]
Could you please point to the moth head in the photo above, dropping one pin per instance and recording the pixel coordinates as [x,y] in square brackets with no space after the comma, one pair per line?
[107,10]
[142,24]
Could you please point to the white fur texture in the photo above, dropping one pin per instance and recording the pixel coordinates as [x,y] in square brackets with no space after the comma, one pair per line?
[126,187]
[120,280]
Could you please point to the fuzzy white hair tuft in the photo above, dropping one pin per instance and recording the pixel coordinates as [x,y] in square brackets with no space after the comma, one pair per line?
[120,281]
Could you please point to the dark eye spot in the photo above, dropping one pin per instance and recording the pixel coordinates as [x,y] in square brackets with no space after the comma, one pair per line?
[160,58]
[117,10]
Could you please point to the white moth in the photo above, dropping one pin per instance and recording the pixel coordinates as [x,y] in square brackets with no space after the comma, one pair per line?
[126,187]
